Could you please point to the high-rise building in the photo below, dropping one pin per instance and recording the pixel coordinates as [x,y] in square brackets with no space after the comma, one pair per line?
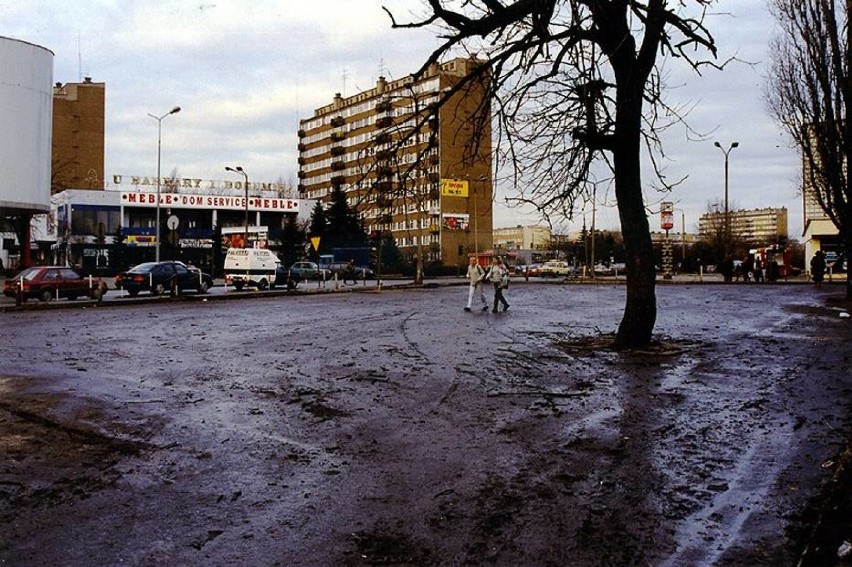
[408,166]
[756,226]
[820,232]
[78,136]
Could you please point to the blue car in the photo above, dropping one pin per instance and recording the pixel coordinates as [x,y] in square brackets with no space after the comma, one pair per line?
[160,277]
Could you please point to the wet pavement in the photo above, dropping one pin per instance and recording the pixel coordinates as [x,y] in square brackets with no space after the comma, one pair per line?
[393,428]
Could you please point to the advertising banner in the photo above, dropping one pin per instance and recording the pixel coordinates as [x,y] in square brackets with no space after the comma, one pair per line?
[456,221]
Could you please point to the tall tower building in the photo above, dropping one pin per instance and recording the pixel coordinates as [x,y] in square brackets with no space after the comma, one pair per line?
[410,168]
[78,136]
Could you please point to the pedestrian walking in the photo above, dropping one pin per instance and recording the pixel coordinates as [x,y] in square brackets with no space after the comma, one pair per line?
[818,267]
[498,275]
[350,273]
[476,275]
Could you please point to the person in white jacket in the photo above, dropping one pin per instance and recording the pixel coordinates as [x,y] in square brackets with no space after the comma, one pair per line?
[476,275]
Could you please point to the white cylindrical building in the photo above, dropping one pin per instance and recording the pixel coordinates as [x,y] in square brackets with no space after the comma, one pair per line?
[26,126]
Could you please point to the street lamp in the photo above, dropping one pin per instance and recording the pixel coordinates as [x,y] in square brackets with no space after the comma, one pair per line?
[239,169]
[159,120]
[727,228]
[481,179]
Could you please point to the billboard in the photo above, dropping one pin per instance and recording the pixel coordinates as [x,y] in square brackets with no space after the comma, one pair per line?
[456,221]
[454,187]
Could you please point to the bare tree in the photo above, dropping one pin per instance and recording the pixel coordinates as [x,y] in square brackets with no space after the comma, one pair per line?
[809,94]
[570,80]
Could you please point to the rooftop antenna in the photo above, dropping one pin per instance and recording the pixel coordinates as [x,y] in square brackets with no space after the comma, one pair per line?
[79,60]
[383,69]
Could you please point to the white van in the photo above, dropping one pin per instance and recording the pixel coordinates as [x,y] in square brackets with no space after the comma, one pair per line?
[251,267]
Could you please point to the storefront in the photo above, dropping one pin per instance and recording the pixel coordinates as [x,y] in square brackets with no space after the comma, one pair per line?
[107,231]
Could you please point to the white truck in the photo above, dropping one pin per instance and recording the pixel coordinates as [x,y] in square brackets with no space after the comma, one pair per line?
[252,267]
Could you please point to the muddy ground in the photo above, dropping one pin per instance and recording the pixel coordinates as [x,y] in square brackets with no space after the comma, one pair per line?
[392,428]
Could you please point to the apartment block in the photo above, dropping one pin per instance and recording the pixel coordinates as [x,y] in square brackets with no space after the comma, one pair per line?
[757,226]
[78,136]
[408,166]
[820,232]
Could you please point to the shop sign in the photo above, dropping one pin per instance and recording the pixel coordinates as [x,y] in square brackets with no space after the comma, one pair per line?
[177,200]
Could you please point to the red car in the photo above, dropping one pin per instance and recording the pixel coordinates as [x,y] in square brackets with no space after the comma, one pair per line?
[49,282]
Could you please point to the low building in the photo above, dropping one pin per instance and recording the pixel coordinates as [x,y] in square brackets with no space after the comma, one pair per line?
[114,229]
[519,237]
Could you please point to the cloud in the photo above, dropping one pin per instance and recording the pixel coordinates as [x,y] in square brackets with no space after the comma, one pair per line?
[246,72]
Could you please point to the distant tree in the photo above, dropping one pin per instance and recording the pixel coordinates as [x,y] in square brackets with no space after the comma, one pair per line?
[318,225]
[810,94]
[343,226]
[219,251]
[119,250]
[292,241]
[571,79]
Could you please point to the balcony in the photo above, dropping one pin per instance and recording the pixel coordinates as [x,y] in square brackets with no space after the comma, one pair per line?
[302,174]
[337,122]
[338,150]
[337,136]
[383,106]
[338,180]
[301,133]
[384,122]
[338,165]
[383,138]
[302,147]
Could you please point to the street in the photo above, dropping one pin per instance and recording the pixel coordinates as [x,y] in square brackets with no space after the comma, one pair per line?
[393,428]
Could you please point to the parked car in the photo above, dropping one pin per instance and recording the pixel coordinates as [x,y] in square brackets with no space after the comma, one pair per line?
[533,270]
[343,269]
[284,277]
[309,271]
[556,268]
[48,282]
[160,277]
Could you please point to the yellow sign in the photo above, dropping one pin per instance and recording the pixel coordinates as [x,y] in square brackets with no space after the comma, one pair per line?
[454,187]
[315,243]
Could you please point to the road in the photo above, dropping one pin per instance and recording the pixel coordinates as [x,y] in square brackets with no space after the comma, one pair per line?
[393,428]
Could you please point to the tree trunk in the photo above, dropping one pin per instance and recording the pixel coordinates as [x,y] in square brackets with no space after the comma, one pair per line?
[640,311]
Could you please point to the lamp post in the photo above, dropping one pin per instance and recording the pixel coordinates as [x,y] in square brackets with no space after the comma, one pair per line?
[159,120]
[727,227]
[239,169]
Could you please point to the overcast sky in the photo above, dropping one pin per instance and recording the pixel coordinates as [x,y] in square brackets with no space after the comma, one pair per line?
[245,72]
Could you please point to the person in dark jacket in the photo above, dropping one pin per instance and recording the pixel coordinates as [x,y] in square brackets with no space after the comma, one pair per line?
[818,267]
